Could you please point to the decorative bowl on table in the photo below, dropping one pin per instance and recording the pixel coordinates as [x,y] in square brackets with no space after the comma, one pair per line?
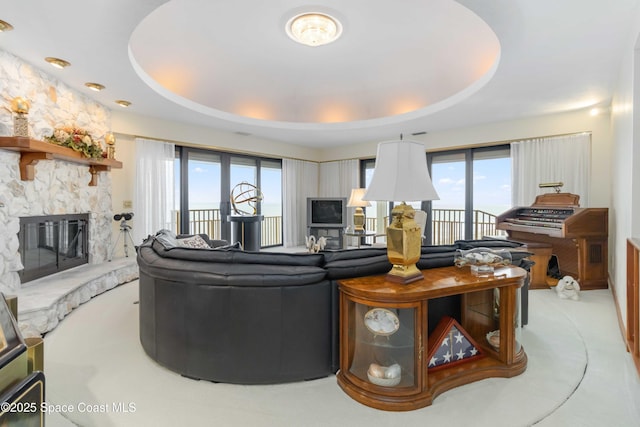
[386,376]
[493,338]
[482,260]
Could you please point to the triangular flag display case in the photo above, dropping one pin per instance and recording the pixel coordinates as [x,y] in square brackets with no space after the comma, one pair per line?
[449,345]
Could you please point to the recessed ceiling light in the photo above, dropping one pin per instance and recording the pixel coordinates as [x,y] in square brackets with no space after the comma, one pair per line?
[123,103]
[94,86]
[5,26]
[314,29]
[57,62]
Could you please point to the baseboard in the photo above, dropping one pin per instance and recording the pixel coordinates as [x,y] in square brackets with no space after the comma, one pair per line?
[621,325]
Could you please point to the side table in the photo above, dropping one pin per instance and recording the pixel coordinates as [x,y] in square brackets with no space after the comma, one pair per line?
[384,327]
[359,236]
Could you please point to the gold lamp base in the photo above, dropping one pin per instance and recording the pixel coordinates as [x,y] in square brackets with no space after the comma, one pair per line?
[358,220]
[403,245]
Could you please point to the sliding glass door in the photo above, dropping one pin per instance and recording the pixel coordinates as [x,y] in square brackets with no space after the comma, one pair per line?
[205,180]
[448,214]
[474,186]
[492,190]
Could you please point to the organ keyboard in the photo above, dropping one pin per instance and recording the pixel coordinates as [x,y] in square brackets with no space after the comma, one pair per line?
[577,236]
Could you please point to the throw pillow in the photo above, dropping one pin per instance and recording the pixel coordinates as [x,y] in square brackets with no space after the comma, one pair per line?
[195,242]
[167,238]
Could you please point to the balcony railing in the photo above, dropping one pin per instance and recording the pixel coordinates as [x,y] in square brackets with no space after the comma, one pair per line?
[447,225]
[208,221]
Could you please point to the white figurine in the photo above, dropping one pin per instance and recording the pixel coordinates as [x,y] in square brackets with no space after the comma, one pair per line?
[313,246]
[568,288]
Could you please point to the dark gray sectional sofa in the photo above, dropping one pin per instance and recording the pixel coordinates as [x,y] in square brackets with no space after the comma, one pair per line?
[233,316]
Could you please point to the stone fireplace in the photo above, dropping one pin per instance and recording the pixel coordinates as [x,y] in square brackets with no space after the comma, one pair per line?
[52,243]
[59,188]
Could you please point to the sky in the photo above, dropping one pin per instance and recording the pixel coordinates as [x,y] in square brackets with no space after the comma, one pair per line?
[204,187]
[491,185]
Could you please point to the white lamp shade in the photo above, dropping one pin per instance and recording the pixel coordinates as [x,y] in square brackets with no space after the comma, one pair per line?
[356,201]
[401,173]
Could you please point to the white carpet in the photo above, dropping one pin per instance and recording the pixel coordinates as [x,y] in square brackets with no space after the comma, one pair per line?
[94,358]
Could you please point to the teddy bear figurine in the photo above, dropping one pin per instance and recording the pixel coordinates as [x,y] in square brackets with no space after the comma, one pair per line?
[568,288]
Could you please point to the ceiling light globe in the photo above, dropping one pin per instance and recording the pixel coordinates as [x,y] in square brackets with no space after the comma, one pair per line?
[314,29]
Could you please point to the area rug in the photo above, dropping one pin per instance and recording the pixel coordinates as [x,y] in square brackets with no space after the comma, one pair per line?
[94,364]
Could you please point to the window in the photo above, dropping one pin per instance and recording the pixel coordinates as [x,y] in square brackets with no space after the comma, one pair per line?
[204,182]
[474,186]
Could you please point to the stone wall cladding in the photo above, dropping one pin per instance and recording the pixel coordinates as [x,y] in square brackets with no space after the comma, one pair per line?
[59,187]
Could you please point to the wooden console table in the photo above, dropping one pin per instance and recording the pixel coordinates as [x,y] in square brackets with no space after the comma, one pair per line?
[33,150]
[488,303]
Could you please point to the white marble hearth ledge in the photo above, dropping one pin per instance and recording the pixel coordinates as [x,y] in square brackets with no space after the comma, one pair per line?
[42,303]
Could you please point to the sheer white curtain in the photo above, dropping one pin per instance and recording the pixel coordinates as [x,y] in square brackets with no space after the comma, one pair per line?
[564,159]
[154,190]
[337,179]
[300,180]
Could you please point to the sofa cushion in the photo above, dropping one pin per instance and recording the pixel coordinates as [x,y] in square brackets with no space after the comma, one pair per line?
[230,255]
[436,259]
[346,254]
[357,267]
[192,269]
[432,249]
[167,238]
[486,243]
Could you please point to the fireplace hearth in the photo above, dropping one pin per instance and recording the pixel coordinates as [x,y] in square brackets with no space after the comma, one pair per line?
[52,243]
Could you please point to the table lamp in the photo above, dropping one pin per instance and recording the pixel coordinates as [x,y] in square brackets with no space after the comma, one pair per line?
[355,201]
[401,174]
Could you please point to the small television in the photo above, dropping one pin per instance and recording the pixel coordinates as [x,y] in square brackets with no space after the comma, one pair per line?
[327,212]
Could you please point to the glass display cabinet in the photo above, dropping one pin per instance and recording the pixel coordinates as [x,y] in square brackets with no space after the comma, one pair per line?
[388,359]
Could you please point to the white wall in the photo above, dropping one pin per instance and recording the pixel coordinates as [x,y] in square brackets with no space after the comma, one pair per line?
[131,124]
[625,170]
[122,182]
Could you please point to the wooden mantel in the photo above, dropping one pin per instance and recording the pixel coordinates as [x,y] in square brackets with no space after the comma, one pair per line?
[33,150]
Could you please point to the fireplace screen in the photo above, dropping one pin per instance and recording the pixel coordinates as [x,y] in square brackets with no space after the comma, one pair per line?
[53,243]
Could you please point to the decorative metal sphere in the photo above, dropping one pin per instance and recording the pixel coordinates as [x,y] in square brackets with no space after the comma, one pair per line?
[245,198]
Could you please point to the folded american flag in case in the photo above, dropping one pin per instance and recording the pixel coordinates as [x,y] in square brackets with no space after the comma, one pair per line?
[450,344]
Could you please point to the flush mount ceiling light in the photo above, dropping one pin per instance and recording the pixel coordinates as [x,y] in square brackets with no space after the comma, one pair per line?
[314,29]
[5,26]
[94,86]
[57,62]
[123,103]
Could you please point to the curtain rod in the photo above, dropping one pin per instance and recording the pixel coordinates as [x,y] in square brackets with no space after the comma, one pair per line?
[435,150]
[503,142]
